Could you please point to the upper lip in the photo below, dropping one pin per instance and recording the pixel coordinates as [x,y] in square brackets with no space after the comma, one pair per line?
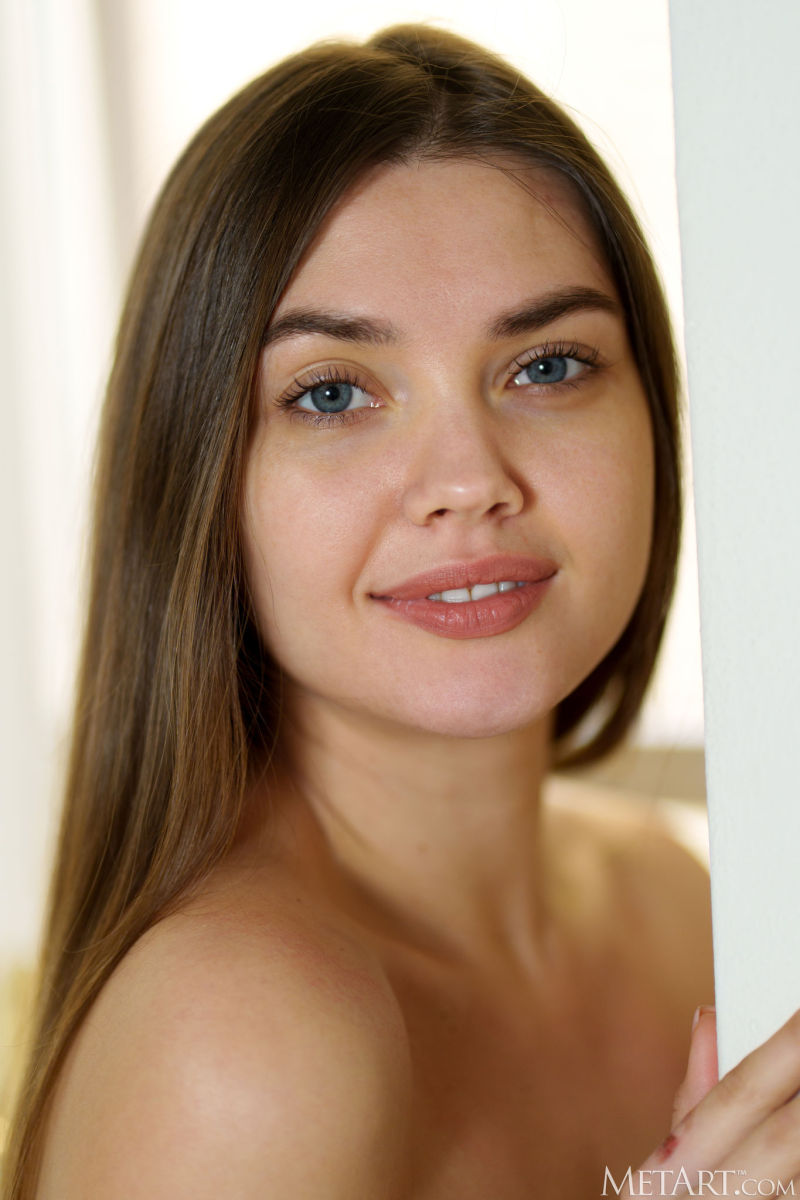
[517,568]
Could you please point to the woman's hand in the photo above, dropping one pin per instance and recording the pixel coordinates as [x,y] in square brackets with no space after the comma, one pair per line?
[736,1137]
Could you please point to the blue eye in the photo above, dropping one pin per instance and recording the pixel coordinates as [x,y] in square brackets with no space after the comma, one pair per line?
[551,368]
[333,397]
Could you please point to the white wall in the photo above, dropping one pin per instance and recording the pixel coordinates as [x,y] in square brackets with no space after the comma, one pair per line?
[98,96]
[737,99]
[58,296]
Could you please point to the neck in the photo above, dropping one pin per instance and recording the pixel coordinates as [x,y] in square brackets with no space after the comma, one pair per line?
[441,835]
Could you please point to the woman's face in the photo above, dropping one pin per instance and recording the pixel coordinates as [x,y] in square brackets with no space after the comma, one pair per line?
[448,382]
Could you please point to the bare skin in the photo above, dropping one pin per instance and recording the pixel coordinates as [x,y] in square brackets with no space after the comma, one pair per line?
[497,1081]
[545,1071]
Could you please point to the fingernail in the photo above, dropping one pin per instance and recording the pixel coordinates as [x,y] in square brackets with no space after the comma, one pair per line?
[700,1011]
[666,1148]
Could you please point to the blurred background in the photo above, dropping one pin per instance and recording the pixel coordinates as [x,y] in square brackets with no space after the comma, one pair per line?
[97,97]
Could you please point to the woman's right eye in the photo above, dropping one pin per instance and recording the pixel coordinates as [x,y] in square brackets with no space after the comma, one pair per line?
[333,396]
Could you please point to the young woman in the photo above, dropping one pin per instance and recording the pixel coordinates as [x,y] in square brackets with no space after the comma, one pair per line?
[386,528]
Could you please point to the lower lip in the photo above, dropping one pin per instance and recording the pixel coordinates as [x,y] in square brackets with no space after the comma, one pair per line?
[498,613]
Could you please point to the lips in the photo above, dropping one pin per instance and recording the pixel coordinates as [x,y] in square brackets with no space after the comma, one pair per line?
[514,568]
[498,613]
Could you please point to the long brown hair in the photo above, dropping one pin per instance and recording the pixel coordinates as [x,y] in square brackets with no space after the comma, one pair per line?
[175,691]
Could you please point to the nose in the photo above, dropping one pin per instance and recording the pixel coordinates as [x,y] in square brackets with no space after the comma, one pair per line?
[460,470]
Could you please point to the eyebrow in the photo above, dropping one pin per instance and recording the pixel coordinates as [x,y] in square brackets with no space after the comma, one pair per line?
[368,331]
[546,309]
[363,330]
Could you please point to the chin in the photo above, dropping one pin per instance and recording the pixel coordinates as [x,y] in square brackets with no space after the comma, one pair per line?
[470,714]
[472,726]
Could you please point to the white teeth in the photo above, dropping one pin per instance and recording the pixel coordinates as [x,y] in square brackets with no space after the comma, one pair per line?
[462,595]
[484,589]
[456,596]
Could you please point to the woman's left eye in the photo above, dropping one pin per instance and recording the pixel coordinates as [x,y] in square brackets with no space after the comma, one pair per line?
[550,368]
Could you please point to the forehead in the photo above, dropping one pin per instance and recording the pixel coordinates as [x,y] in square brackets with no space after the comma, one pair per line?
[453,235]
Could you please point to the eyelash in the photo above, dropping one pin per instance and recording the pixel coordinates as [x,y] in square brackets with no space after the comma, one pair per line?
[335,375]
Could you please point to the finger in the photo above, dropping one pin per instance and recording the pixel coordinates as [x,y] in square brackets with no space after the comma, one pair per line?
[701,1071]
[743,1099]
[772,1152]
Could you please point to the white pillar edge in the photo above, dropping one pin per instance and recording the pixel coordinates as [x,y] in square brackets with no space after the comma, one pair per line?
[737,96]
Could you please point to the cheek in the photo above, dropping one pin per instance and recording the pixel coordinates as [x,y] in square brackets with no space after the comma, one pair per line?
[610,502]
[304,534]
[594,483]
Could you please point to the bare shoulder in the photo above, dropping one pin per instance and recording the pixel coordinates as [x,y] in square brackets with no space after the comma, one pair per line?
[654,852]
[239,1053]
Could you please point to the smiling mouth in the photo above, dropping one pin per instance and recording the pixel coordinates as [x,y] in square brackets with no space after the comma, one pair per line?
[473,600]
[472,581]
